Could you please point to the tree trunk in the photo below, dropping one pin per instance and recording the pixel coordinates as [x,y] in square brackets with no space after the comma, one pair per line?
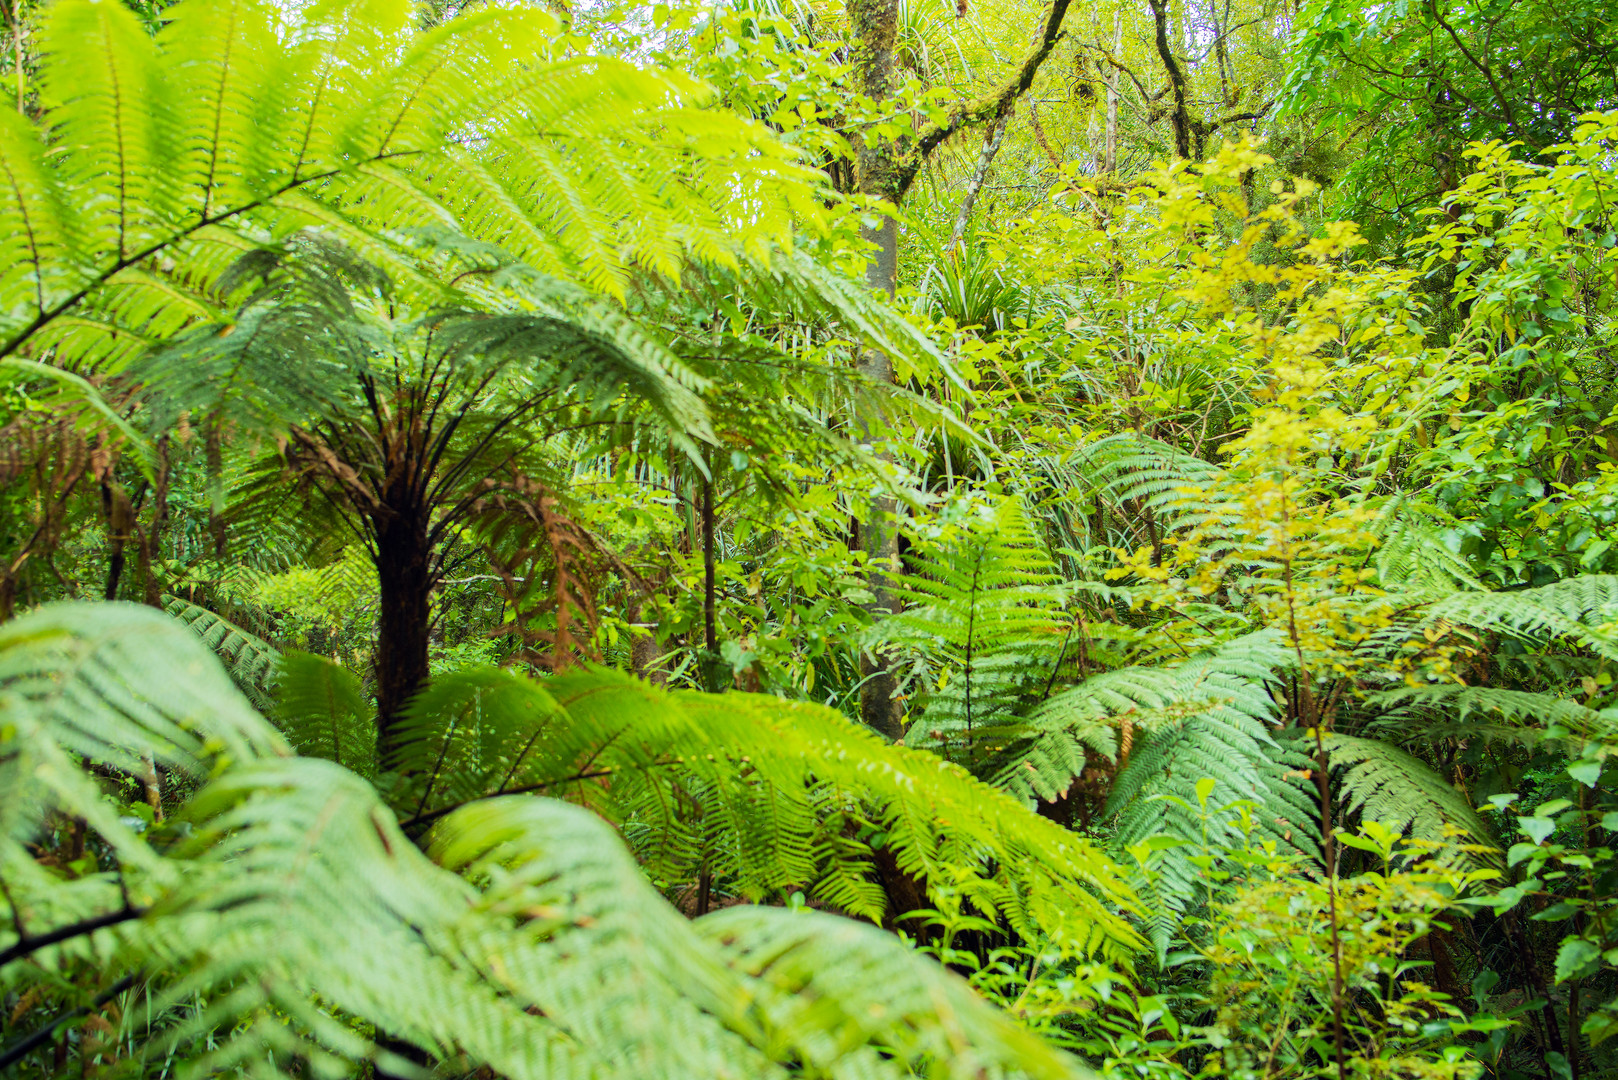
[875,26]
[404,580]
[980,175]
[1109,160]
[115,511]
[879,704]
[1181,116]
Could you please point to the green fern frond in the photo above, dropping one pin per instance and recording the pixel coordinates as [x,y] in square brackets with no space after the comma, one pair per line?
[473,734]
[251,660]
[1383,783]
[1210,717]
[325,712]
[985,625]
[1414,556]
[1131,470]
[1524,709]
[295,914]
[240,124]
[110,684]
[1573,608]
[756,787]
[890,999]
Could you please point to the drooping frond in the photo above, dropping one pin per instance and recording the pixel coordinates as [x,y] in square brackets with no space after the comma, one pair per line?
[1573,608]
[250,659]
[766,787]
[1137,473]
[1207,718]
[295,910]
[120,702]
[776,983]
[1530,714]
[1383,783]
[325,712]
[243,123]
[889,998]
[1413,556]
[791,286]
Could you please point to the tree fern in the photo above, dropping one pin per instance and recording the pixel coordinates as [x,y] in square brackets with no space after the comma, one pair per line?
[984,626]
[769,791]
[1383,783]
[292,910]
[166,159]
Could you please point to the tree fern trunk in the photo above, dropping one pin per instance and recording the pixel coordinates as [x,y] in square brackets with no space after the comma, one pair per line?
[404,581]
[115,511]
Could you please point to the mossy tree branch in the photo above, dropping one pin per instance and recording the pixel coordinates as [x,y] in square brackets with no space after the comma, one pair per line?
[989,108]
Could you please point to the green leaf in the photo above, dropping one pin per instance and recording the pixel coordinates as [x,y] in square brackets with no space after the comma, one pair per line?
[1576,957]
[1537,828]
[1585,772]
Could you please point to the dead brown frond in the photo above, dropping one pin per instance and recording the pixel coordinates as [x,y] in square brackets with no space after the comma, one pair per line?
[551,569]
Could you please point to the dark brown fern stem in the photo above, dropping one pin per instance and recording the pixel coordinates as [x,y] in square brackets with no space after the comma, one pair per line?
[404,585]
[704,892]
[1528,961]
[112,503]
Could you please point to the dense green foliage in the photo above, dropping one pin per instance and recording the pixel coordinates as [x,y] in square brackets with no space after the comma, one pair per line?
[857,540]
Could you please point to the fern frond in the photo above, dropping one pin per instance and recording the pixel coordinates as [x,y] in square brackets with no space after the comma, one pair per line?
[763,786]
[1413,556]
[890,998]
[325,712]
[294,914]
[1128,469]
[252,660]
[1573,608]
[985,623]
[242,124]
[110,683]
[1522,708]
[1383,783]
[1209,717]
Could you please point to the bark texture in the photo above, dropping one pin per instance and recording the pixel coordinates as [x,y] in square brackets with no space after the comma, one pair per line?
[404,579]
